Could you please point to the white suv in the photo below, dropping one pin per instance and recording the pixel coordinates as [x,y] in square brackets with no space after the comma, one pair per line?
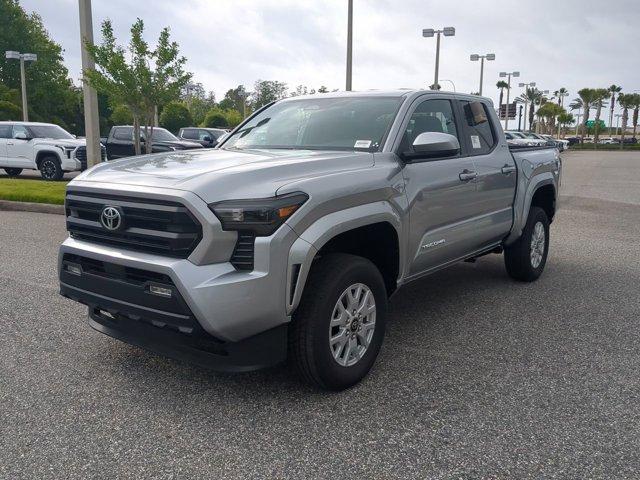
[40,146]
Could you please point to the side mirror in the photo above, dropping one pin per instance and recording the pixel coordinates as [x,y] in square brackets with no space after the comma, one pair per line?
[21,136]
[207,139]
[434,144]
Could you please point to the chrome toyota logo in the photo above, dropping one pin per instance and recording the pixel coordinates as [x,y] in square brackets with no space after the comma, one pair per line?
[111,218]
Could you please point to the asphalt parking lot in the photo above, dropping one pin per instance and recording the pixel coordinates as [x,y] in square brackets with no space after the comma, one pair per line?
[479,376]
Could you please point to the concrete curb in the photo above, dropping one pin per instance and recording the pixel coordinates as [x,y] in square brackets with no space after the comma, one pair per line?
[7,205]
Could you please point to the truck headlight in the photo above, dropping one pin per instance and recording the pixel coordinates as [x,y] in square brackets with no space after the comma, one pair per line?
[261,216]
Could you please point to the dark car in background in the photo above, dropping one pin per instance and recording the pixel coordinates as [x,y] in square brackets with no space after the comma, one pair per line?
[120,142]
[207,137]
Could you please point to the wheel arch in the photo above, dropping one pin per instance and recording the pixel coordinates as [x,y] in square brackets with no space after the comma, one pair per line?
[42,154]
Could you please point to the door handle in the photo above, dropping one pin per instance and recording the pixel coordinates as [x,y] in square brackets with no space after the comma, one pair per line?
[508,169]
[467,175]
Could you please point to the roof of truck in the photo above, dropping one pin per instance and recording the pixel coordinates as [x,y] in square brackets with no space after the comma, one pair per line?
[12,122]
[403,92]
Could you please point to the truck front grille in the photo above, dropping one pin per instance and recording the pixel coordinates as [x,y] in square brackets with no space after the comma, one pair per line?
[81,156]
[243,253]
[154,226]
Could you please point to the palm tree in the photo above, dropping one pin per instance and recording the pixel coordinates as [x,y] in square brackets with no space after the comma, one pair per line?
[600,95]
[549,111]
[613,89]
[635,101]
[626,102]
[587,96]
[565,119]
[501,86]
[530,96]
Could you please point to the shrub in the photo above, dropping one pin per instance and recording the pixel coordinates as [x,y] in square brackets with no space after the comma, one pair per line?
[9,111]
[121,115]
[215,118]
[174,116]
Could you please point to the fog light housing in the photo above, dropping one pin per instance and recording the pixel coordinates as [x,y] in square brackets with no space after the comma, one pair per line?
[74,269]
[160,291]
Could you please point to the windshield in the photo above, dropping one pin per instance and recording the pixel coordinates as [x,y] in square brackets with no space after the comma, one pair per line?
[161,135]
[50,131]
[346,123]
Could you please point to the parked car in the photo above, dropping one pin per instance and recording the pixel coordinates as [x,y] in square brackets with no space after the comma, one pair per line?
[628,140]
[573,140]
[516,140]
[607,141]
[560,143]
[120,142]
[287,240]
[530,138]
[40,146]
[207,137]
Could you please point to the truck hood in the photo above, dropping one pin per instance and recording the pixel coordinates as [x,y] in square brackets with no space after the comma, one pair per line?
[67,142]
[180,144]
[216,175]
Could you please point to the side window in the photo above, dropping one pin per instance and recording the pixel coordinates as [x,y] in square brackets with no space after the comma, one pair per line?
[204,133]
[18,129]
[5,131]
[479,134]
[190,133]
[430,116]
[122,134]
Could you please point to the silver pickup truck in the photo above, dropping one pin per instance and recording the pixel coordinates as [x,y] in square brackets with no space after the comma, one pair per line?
[287,240]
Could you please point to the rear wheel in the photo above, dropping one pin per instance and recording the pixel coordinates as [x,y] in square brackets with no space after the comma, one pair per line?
[50,168]
[526,258]
[13,172]
[338,329]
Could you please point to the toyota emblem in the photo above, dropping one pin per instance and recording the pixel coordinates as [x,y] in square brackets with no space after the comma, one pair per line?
[111,218]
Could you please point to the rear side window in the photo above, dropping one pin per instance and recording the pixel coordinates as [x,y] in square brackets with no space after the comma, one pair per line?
[190,133]
[5,131]
[478,131]
[123,134]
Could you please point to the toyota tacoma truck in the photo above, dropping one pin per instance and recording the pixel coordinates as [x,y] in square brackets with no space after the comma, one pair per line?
[41,146]
[286,241]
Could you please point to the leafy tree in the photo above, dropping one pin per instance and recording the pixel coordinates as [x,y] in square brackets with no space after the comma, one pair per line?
[600,95]
[235,99]
[626,102]
[501,85]
[635,103]
[587,97]
[613,90]
[121,116]
[49,89]
[9,111]
[198,101]
[215,118]
[175,115]
[267,91]
[140,78]
[233,117]
[565,119]
[549,112]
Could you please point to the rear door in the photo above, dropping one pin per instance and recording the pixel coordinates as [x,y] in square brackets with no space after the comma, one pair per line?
[441,191]
[496,180]
[19,150]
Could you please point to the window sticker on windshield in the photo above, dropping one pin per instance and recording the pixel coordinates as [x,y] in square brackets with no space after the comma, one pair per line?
[362,144]
[475,141]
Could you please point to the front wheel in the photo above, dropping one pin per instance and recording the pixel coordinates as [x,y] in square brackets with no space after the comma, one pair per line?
[13,172]
[526,258]
[50,168]
[338,329]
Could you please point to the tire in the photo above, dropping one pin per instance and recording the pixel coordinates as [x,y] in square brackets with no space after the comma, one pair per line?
[13,172]
[310,352]
[521,261]
[50,168]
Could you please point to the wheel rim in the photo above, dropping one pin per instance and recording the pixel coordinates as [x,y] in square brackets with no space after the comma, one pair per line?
[537,245]
[48,169]
[352,325]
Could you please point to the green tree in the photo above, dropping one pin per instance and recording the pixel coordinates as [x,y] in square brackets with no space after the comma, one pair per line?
[121,116]
[549,112]
[267,91]
[215,118]
[613,90]
[626,102]
[635,103]
[235,99]
[140,78]
[9,111]
[198,101]
[175,115]
[233,117]
[565,119]
[501,85]
[49,89]
[587,97]
[530,96]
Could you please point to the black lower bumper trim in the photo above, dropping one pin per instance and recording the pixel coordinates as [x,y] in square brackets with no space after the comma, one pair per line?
[150,330]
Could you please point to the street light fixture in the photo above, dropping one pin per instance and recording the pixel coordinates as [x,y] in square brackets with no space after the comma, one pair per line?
[475,57]
[526,100]
[506,110]
[430,32]
[23,57]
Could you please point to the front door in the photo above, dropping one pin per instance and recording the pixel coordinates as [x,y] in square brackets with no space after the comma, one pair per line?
[5,135]
[441,191]
[20,150]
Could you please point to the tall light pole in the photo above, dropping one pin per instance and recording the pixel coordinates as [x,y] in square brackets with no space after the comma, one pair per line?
[91,118]
[506,110]
[617,115]
[475,57]
[578,117]
[430,32]
[23,57]
[349,44]
[526,100]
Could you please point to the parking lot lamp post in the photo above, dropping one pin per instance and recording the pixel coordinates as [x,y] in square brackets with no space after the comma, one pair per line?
[506,110]
[618,115]
[526,100]
[430,32]
[22,57]
[475,58]
[520,118]
[578,116]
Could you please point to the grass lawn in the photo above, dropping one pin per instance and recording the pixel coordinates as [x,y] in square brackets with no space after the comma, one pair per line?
[32,190]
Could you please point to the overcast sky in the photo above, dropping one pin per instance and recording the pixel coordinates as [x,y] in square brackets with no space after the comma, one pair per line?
[556,43]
